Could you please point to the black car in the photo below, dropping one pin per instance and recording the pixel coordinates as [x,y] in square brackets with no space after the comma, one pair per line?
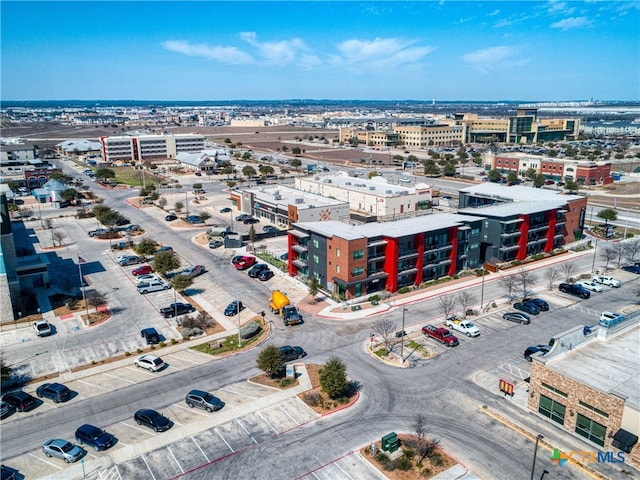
[8,473]
[527,307]
[517,317]
[54,391]
[233,308]
[265,275]
[531,350]
[175,309]
[632,268]
[573,289]
[269,229]
[539,303]
[250,220]
[256,270]
[94,437]
[171,218]
[153,420]
[242,217]
[20,401]
[203,400]
[291,353]
[225,210]
[151,335]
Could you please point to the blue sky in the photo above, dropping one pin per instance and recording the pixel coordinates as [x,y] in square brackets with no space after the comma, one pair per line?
[446,50]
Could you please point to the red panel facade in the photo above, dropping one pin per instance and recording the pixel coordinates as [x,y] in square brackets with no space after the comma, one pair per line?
[551,221]
[524,237]
[391,264]
[453,239]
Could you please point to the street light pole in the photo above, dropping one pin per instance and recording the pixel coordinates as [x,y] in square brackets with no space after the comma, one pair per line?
[482,290]
[404,309]
[84,297]
[186,202]
[595,252]
[535,453]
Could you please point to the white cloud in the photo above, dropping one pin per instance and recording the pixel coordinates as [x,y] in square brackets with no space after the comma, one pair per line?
[559,7]
[572,22]
[494,13]
[389,52]
[223,54]
[281,52]
[487,59]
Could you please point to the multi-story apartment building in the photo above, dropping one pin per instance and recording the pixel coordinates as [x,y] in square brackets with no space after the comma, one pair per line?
[373,198]
[354,260]
[149,147]
[588,385]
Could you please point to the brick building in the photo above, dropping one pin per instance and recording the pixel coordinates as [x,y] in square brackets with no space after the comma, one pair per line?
[588,385]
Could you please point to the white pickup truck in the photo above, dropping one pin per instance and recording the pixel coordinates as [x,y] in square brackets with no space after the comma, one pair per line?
[463,326]
[607,280]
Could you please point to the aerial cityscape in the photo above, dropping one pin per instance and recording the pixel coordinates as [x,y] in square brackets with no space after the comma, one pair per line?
[320,240]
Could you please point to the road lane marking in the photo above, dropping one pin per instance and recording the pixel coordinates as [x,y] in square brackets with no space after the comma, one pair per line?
[238,393]
[148,467]
[265,420]
[46,461]
[343,470]
[201,451]
[220,435]
[175,459]
[287,414]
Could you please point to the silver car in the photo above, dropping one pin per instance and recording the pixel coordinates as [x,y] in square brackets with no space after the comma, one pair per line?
[153,286]
[67,451]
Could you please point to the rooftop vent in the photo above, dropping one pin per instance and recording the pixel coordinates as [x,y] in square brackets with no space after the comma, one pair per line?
[277,197]
[299,200]
[347,183]
[372,187]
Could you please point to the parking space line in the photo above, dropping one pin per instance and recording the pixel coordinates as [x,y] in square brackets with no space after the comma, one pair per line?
[117,377]
[201,451]
[220,435]
[241,394]
[175,459]
[186,360]
[46,461]
[314,474]
[246,431]
[287,414]
[137,428]
[93,384]
[343,470]
[265,420]
[148,467]
[193,410]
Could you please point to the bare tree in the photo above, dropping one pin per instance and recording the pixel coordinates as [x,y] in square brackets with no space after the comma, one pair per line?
[608,254]
[446,303]
[552,275]
[526,279]
[509,283]
[568,269]
[423,445]
[618,249]
[94,298]
[631,250]
[465,299]
[58,236]
[385,327]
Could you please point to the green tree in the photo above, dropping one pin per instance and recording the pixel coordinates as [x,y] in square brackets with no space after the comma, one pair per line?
[296,163]
[246,156]
[249,171]
[60,177]
[266,169]
[227,170]
[333,378]
[146,247]
[231,184]
[204,215]
[181,282]
[296,150]
[512,178]
[430,168]
[252,236]
[5,370]
[227,140]
[373,174]
[608,215]
[70,195]
[314,285]
[572,186]
[494,175]
[178,206]
[530,173]
[197,186]
[162,202]
[270,360]
[538,181]
[105,174]
[449,169]
[165,262]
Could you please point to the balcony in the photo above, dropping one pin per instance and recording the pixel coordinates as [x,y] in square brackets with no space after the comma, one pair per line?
[508,248]
[535,241]
[407,254]
[513,233]
[374,274]
[299,247]
[436,248]
[379,256]
[538,228]
[300,263]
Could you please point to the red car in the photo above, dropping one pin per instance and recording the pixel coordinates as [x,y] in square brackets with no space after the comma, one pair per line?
[142,270]
[244,262]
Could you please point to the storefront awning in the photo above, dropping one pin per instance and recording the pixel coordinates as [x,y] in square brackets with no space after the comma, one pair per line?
[624,440]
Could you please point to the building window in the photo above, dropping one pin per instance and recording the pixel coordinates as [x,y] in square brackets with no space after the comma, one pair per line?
[357,271]
[593,409]
[358,254]
[337,268]
[316,244]
[554,389]
[316,259]
[486,224]
[337,252]
[591,430]
[552,409]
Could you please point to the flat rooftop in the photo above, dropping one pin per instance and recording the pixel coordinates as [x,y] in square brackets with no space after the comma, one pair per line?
[374,186]
[511,209]
[611,366]
[282,195]
[394,229]
[519,193]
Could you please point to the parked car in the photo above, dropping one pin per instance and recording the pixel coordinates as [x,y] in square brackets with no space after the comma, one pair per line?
[54,391]
[233,308]
[284,257]
[5,409]
[591,286]
[132,228]
[549,182]
[250,221]
[291,353]
[608,316]
[166,248]
[153,420]
[235,259]
[193,271]
[97,232]
[153,286]
[142,270]
[203,400]
[20,401]
[245,262]
[607,280]
[63,449]
[531,350]
[265,275]
[242,217]
[130,260]
[150,362]
[95,437]
[146,278]
[42,328]
[216,244]
[269,229]
[175,309]
[171,217]
[539,303]
[530,308]
[150,335]
[632,268]
[442,335]
[574,289]
[517,317]
[257,269]
[225,210]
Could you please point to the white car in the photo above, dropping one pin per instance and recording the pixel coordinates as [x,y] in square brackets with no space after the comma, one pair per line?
[594,287]
[146,278]
[608,316]
[42,328]
[607,280]
[153,286]
[150,362]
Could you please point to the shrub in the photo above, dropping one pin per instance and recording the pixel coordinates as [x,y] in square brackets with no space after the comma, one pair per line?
[403,290]
[191,332]
[382,457]
[436,459]
[173,341]
[161,344]
[313,398]
[374,298]
[200,320]
[138,350]
[538,256]
[515,263]
[285,382]
[126,354]
[403,463]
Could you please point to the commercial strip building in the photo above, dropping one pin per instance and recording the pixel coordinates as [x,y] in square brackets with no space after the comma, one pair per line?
[206,161]
[355,260]
[589,384]
[372,199]
[283,206]
[149,147]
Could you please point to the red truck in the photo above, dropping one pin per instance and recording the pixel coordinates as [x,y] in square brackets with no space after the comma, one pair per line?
[441,334]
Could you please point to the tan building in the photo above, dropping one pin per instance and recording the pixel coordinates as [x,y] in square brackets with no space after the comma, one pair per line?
[588,384]
[149,147]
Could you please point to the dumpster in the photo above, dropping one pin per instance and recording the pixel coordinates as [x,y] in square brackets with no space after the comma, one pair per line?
[390,442]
